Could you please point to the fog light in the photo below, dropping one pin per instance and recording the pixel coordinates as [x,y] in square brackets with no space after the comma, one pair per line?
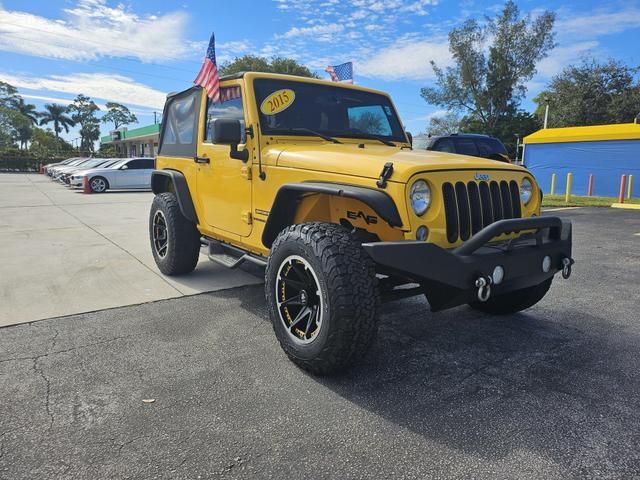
[546,264]
[421,233]
[498,275]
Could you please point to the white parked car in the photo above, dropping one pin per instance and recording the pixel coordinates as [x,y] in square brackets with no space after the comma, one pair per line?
[76,178]
[56,172]
[130,173]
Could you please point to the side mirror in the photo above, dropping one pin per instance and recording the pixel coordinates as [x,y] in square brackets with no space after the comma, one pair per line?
[124,167]
[225,131]
[410,137]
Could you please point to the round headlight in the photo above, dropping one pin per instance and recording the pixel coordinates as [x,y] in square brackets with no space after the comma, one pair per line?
[526,191]
[420,196]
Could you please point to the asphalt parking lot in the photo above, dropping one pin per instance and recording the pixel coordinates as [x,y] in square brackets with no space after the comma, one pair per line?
[550,393]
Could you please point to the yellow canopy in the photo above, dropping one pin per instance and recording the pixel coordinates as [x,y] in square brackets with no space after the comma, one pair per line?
[621,131]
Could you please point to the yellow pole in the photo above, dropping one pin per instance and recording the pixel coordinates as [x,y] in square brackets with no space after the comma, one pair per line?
[567,195]
[629,187]
[553,184]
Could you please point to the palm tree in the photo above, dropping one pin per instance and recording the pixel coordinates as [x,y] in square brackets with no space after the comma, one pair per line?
[56,113]
[26,109]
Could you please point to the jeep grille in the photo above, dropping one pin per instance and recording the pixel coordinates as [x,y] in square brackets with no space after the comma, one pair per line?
[472,206]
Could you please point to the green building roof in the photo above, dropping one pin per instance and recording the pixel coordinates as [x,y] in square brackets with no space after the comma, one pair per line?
[134,133]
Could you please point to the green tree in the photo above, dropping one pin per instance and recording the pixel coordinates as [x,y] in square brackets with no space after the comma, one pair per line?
[8,95]
[492,63]
[12,127]
[84,114]
[591,93]
[57,114]
[45,144]
[119,115]
[445,124]
[107,150]
[24,130]
[27,109]
[254,63]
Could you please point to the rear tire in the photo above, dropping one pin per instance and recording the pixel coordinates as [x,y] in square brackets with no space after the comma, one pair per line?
[513,302]
[320,267]
[175,241]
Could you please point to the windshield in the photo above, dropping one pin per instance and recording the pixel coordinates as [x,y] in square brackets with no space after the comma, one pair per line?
[290,107]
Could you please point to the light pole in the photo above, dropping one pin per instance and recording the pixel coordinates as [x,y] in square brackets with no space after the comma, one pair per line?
[517,135]
[546,110]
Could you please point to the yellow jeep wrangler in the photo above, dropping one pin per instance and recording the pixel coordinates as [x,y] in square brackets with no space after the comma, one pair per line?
[318,182]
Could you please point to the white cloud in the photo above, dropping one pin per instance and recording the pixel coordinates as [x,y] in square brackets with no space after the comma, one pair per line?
[562,56]
[406,59]
[318,32]
[599,23]
[107,87]
[92,30]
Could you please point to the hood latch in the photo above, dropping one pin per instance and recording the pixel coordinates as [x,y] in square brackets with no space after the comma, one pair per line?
[386,173]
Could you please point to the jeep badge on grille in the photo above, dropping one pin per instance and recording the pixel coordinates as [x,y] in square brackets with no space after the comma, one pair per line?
[482,177]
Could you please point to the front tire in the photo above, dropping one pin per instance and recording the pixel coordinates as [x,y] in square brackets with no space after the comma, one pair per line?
[98,184]
[513,302]
[321,292]
[175,241]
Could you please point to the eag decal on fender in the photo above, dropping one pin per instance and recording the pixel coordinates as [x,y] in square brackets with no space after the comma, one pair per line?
[277,101]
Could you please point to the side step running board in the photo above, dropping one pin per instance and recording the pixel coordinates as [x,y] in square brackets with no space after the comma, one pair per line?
[229,256]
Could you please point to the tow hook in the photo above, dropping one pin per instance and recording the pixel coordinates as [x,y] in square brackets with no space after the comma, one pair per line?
[483,284]
[566,267]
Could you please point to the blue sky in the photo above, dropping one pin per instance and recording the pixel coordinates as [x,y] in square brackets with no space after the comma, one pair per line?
[134,52]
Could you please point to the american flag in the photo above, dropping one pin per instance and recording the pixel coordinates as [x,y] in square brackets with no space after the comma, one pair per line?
[208,76]
[341,73]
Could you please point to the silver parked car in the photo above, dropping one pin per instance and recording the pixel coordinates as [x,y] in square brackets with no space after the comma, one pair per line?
[77,177]
[130,173]
[95,163]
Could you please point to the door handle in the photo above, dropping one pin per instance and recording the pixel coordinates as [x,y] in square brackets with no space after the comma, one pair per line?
[201,159]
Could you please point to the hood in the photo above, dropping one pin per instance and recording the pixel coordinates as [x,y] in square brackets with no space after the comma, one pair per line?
[368,162]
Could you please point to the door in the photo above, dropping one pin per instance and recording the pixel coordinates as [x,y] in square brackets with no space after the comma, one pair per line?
[224,183]
[127,177]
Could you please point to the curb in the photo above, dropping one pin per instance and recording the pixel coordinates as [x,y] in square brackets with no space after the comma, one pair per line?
[628,206]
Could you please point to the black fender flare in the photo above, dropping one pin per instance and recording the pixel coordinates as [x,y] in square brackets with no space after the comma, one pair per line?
[286,202]
[160,181]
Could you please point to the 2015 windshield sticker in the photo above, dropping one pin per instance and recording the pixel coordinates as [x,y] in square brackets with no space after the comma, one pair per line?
[278,101]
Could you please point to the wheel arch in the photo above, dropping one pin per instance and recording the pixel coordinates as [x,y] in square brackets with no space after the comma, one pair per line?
[286,202]
[175,182]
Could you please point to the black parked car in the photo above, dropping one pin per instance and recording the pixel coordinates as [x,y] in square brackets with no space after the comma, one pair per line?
[466,144]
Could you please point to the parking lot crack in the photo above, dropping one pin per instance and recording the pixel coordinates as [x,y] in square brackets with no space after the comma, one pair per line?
[66,350]
[38,369]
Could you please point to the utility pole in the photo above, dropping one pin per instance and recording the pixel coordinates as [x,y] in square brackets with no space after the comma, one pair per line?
[546,111]
[155,118]
[517,146]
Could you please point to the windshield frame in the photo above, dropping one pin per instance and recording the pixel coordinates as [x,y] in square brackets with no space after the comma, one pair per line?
[399,138]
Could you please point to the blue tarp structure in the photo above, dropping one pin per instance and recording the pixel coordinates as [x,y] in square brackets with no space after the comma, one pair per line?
[601,151]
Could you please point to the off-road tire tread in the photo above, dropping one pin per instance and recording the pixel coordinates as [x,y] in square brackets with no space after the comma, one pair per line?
[513,302]
[184,238]
[352,289]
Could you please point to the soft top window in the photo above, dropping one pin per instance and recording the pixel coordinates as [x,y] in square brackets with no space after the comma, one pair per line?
[180,124]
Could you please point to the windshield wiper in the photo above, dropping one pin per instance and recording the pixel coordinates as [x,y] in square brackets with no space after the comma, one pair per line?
[317,134]
[371,137]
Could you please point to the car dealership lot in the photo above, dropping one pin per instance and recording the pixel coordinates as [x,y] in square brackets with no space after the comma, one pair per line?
[550,393]
[65,252]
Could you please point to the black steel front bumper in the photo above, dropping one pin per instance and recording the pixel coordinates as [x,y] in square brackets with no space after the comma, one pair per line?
[455,277]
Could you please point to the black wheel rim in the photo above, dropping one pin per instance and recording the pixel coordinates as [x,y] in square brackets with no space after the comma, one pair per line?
[160,237]
[299,299]
[98,185]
